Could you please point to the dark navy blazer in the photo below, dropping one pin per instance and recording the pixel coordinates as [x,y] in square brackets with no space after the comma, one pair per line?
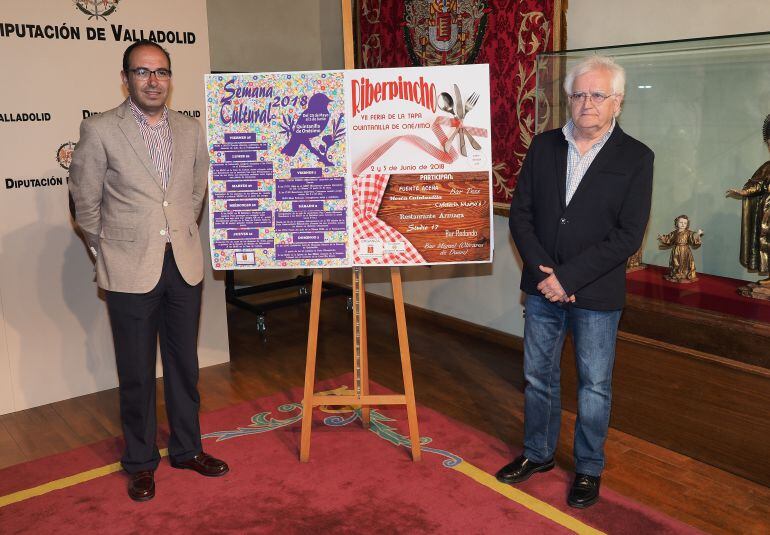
[587,243]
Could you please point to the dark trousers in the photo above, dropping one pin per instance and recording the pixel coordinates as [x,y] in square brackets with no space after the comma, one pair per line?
[170,311]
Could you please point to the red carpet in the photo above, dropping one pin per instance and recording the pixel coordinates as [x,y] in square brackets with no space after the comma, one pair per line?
[356,481]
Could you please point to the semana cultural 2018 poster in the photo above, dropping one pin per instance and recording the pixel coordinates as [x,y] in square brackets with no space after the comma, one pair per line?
[277,183]
[341,168]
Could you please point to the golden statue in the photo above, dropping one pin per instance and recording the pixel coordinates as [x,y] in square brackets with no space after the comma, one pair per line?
[755,215]
[681,265]
[634,262]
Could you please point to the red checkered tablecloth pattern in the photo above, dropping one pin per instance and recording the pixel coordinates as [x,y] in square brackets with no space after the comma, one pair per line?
[368,191]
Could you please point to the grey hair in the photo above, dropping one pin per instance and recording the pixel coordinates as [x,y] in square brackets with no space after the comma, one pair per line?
[597,62]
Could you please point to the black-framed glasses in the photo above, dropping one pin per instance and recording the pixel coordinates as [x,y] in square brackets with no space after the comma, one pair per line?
[144,74]
[596,97]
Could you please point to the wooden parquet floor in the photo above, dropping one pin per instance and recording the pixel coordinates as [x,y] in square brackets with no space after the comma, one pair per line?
[470,379]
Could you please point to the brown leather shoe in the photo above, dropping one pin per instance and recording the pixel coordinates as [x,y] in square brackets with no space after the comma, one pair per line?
[141,486]
[204,464]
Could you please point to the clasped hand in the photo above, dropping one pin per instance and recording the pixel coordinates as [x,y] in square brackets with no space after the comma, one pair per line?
[551,288]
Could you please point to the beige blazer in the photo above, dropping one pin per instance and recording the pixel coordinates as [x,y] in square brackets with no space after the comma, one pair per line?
[122,208]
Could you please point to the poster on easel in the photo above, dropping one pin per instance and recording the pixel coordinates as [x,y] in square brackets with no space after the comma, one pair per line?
[385,167]
[421,165]
[278,195]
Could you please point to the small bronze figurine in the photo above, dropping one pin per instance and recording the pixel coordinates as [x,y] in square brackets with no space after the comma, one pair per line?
[681,265]
[634,262]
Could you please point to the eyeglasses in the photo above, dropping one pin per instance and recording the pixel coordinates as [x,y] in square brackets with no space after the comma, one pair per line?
[144,74]
[596,97]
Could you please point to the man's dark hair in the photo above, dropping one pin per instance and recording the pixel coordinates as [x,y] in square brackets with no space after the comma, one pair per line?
[137,44]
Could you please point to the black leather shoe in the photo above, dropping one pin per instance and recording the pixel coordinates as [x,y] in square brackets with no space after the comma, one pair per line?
[141,486]
[584,491]
[204,464]
[521,469]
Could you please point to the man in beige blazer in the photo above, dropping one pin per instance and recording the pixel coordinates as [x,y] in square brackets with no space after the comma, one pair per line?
[138,181]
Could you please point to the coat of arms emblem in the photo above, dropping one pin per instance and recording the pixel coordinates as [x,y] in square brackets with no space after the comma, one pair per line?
[97,9]
[444,32]
[64,154]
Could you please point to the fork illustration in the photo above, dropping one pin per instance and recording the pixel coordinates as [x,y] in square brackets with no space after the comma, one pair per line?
[469,104]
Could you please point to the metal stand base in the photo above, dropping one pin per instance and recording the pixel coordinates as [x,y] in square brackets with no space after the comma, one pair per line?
[233,295]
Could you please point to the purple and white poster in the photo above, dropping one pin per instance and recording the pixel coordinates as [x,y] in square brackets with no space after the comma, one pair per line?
[278,193]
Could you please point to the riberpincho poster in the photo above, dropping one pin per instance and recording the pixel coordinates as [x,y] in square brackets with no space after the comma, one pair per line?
[421,165]
[340,168]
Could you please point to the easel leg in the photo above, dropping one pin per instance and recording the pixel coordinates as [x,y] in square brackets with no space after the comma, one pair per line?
[310,359]
[406,363]
[365,409]
[360,373]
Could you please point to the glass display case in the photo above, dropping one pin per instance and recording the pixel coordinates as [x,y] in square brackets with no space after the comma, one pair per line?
[693,360]
[700,105]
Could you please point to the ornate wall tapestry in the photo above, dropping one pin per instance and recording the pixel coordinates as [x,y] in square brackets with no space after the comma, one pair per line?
[507,34]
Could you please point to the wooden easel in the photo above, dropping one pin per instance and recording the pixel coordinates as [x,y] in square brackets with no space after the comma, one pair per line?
[361,394]
[360,356]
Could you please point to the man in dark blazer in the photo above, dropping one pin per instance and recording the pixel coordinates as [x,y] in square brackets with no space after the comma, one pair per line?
[579,211]
[138,180]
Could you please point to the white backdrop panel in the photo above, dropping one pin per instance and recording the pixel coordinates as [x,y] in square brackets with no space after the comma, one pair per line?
[55,323]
